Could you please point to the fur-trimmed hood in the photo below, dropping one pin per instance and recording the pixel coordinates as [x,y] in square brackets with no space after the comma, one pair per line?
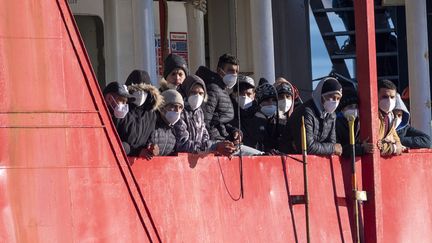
[154,101]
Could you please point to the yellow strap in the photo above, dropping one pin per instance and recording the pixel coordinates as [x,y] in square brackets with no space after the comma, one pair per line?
[303,135]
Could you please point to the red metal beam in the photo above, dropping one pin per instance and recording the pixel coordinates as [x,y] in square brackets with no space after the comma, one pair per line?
[367,80]
[163,23]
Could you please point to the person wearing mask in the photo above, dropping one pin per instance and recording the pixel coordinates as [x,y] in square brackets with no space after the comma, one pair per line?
[409,136]
[348,107]
[287,94]
[320,118]
[175,72]
[388,140]
[167,117]
[218,110]
[245,107]
[116,97]
[190,131]
[138,76]
[265,123]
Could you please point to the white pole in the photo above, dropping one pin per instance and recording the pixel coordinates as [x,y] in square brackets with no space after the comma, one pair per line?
[196,41]
[144,37]
[262,39]
[418,65]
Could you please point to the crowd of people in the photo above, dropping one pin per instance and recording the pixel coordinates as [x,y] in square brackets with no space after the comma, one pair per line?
[228,114]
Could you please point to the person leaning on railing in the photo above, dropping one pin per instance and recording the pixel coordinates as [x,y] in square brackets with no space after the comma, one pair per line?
[320,118]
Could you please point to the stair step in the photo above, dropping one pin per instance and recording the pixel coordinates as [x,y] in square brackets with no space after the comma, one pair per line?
[345,9]
[352,32]
[388,77]
[353,56]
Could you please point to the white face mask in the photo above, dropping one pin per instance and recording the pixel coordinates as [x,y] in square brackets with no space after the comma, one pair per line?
[140,97]
[330,105]
[119,110]
[387,105]
[284,105]
[172,117]
[397,122]
[171,86]
[350,112]
[230,80]
[244,102]
[269,110]
[195,101]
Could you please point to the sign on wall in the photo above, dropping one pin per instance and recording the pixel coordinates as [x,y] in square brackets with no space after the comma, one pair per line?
[177,42]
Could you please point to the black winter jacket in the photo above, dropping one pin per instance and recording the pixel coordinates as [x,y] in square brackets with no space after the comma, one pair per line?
[413,138]
[320,130]
[135,128]
[218,110]
[409,136]
[247,125]
[342,136]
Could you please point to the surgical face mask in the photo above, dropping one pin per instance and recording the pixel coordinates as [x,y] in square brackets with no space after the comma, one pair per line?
[350,112]
[140,97]
[230,80]
[172,117]
[269,110]
[330,105]
[387,105]
[119,110]
[284,105]
[244,102]
[195,101]
[171,86]
[397,122]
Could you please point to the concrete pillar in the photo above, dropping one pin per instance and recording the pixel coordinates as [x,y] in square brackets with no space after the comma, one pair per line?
[196,41]
[262,39]
[144,37]
[418,65]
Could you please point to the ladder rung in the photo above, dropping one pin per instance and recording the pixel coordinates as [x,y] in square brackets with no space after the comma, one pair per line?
[345,9]
[353,56]
[388,77]
[352,32]
[330,10]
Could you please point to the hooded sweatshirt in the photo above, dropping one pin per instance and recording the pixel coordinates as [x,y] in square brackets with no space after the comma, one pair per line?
[320,126]
[409,136]
[190,131]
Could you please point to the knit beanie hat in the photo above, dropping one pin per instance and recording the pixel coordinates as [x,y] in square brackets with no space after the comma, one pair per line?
[284,88]
[172,96]
[331,86]
[138,77]
[265,91]
[349,97]
[173,61]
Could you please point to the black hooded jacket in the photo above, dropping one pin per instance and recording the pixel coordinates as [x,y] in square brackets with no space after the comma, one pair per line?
[320,127]
[218,110]
[248,128]
[135,128]
[342,135]
[409,136]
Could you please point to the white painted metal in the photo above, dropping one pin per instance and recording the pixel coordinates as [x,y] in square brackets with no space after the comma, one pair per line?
[262,39]
[196,41]
[418,65]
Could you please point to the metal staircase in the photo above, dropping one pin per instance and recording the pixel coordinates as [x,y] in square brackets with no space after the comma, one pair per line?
[388,58]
